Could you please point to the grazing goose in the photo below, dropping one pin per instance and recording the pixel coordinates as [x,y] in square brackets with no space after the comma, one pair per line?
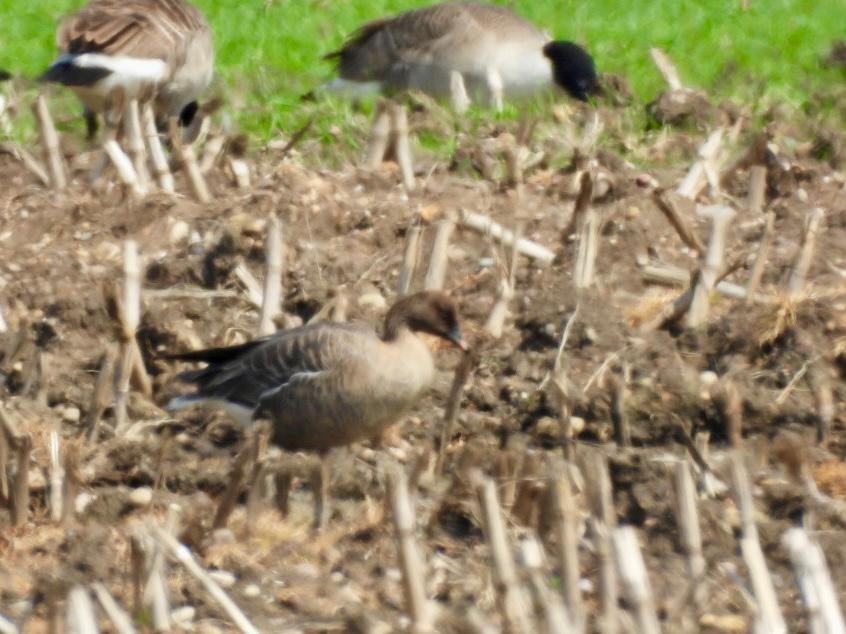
[449,49]
[327,384]
[140,46]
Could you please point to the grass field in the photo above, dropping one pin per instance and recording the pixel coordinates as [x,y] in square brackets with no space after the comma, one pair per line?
[269,52]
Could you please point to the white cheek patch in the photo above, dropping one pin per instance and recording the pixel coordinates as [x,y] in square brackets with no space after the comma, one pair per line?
[100,74]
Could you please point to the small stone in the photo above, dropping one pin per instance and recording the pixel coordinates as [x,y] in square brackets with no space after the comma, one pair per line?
[632,213]
[251,591]
[81,502]
[373,300]
[222,536]
[224,578]
[590,334]
[142,496]
[548,427]
[183,616]
[71,414]
[577,425]
[179,231]
[708,378]
[802,195]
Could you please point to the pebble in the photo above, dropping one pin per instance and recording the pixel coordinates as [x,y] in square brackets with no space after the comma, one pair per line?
[224,578]
[183,616]
[142,496]
[251,591]
[81,502]
[708,378]
[222,536]
[179,231]
[71,414]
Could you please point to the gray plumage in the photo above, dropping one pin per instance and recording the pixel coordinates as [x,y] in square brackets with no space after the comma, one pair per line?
[489,48]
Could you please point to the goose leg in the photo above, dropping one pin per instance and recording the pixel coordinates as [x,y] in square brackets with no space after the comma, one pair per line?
[495,89]
[458,92]
[320,486]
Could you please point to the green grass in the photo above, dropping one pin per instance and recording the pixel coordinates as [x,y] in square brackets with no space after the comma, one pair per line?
[269,52]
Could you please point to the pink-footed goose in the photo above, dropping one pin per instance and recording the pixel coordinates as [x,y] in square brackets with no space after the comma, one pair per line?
[458,50]
[327,384]
[163,47]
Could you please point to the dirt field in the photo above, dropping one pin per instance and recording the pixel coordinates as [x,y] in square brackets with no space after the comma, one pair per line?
[763,376]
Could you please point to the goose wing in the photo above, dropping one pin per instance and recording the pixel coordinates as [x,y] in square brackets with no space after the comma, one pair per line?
[246,374]
[131,28]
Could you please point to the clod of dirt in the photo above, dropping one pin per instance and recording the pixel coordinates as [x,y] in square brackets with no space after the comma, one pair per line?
[685,108]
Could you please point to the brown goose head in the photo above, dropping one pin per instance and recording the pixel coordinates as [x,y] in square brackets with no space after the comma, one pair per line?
[430,312]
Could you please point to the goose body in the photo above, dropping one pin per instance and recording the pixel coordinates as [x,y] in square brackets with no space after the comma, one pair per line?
[326,385]
[159,48]
[469,48]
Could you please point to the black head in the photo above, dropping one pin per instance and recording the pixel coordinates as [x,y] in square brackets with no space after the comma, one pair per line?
[186,116]
[572,69]
[430,312]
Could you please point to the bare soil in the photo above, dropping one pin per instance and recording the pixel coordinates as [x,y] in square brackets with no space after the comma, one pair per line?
[60,257]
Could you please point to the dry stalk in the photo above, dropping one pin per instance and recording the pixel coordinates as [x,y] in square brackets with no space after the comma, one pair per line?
[272,294]
[438,259]
[757,189]
[154,145]
[409,259]
[666,67]
[411,562]
[104,391]
[124,167]
[489,227]
[80,617]
[567,517]
[20,508]
[547,603]
[57,478]
[667,205]
[618,390]
[588,230]
[187,157]
[769,618]
[802,265]
[119,618]
[241,171]
[697,176]
[513,606]
[761,257]
[814,579]
[399,125]
[380,136]
[129,315]
[183,554]
[818,380]
[603,521]
[675,276]
[29,162]
[635,581]
[211,150]
[712,264]
[135,142]
[50,140]
[499,312]
[690,536]
[7,626]
[459,380]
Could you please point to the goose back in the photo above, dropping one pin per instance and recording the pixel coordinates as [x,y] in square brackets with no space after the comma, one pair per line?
[419,49]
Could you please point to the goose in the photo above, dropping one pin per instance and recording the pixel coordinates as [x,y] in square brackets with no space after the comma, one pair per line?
[138,47]
[326,384]
[449,49]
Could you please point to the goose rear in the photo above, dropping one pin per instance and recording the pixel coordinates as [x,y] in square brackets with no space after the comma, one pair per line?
[137,47]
